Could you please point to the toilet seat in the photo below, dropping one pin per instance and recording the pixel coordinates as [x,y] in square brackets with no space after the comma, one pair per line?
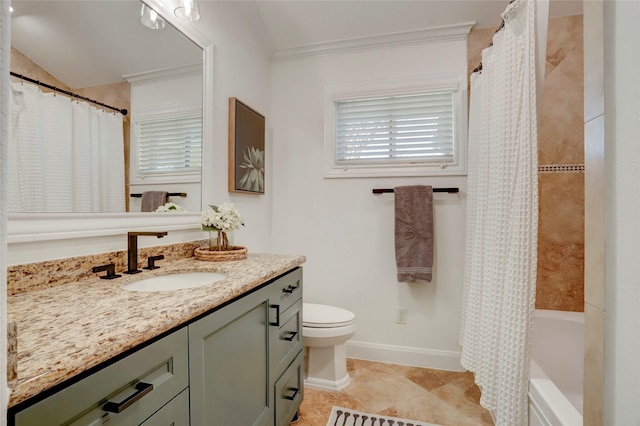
[324,316]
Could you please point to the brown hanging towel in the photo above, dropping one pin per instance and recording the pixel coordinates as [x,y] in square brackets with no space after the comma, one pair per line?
[414,233]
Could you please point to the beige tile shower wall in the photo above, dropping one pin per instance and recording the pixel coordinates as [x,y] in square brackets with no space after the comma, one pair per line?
[560,282]
[561,142]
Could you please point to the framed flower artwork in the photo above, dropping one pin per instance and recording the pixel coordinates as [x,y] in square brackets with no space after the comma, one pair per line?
[246,148]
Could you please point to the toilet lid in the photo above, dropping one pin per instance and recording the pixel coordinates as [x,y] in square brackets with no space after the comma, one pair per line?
[325,316]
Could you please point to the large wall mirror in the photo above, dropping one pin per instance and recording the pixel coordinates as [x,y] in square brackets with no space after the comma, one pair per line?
[75,159]
[101,50]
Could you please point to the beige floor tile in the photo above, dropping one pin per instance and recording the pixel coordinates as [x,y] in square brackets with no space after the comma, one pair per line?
[354,364]
[464,396]
[316,406]
[422,394]
[378,390]
[431,379]
[429,408]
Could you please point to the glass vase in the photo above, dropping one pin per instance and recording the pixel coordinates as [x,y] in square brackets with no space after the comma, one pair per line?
[218,241]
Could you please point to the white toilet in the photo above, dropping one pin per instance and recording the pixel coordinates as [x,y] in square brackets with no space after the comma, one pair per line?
[325,330]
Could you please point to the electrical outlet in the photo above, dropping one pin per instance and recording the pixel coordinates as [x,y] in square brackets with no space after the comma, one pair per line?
[401,315]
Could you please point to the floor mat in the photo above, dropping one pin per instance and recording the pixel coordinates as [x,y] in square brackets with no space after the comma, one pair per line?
[346,417]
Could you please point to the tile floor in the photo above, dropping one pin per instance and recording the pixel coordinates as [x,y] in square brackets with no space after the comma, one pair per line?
[434,396]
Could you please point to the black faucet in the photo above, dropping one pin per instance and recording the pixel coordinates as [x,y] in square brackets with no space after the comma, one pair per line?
[132,255]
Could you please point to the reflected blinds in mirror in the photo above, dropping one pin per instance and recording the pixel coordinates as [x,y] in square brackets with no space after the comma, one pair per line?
[170,145]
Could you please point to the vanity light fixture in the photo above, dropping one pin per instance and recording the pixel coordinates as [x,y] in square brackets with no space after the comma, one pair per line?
[188,10]
[151,19]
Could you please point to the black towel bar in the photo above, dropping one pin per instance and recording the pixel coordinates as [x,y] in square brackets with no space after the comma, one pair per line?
[449,190]
[170,194]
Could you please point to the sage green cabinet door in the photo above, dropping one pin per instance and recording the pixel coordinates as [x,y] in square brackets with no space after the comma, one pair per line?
[229,365]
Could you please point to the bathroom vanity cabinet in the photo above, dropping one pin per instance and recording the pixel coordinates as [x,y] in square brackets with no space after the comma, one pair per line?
[245,358]
[240,364]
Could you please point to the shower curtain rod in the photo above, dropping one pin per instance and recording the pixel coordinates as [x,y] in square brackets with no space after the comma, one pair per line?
[74,95]
[479,67]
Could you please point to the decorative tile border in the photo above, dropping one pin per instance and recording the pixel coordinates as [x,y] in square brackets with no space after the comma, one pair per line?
[561,168]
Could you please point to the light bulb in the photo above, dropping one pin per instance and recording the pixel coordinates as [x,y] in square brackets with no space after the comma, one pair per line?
[188,11]
[151,19]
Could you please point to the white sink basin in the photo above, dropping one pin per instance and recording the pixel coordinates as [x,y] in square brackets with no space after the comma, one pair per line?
[174,281]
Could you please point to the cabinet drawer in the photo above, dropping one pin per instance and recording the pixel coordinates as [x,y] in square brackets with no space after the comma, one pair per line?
[289,392]
[289,288]
[174,413]
[137,386]
[289,341]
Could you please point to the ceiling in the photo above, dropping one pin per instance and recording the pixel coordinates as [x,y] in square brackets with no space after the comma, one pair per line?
[301,23]
[85,43]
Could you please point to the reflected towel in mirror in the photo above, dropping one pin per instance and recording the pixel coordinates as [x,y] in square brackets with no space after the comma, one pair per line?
[151,200]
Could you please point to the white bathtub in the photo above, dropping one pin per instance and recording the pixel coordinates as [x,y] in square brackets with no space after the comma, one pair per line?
[557,365]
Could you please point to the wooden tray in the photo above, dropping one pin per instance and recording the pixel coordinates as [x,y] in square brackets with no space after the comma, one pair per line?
[236,253]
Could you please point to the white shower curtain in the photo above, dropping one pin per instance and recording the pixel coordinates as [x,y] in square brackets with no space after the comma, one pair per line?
[502,217]
[65,156]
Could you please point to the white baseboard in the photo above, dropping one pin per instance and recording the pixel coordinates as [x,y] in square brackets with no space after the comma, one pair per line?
[426,358]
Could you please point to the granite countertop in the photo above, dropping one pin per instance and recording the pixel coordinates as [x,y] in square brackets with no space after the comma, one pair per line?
[65,330]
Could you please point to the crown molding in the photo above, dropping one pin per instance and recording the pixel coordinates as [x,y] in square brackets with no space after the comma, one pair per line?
[428,35]
[167,73]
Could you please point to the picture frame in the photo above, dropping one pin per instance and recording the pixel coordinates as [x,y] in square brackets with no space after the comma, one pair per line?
[246,148]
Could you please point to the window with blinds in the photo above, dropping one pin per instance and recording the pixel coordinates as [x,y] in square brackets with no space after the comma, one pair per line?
[169,145]
[404,126]
[400,129]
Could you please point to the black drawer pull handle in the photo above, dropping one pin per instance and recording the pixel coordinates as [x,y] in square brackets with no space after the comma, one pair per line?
[291,336]
[295,393]
[118,407]
[277,308]
[291,288]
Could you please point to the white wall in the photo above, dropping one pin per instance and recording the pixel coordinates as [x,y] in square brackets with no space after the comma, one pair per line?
[622,213]
[241,69]
[345,231]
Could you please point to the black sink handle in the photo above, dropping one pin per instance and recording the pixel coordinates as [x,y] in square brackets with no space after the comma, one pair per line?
[110,268]
[151,261]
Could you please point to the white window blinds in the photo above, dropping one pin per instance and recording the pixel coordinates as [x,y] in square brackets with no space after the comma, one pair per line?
[170,145]
[404,128]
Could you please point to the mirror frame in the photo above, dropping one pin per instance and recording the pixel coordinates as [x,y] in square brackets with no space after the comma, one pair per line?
[33,227]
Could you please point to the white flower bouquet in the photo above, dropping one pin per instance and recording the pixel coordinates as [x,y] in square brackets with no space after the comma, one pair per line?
[223,218]
[169,208]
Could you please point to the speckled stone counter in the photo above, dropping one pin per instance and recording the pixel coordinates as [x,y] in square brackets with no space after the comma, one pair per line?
[67,329]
